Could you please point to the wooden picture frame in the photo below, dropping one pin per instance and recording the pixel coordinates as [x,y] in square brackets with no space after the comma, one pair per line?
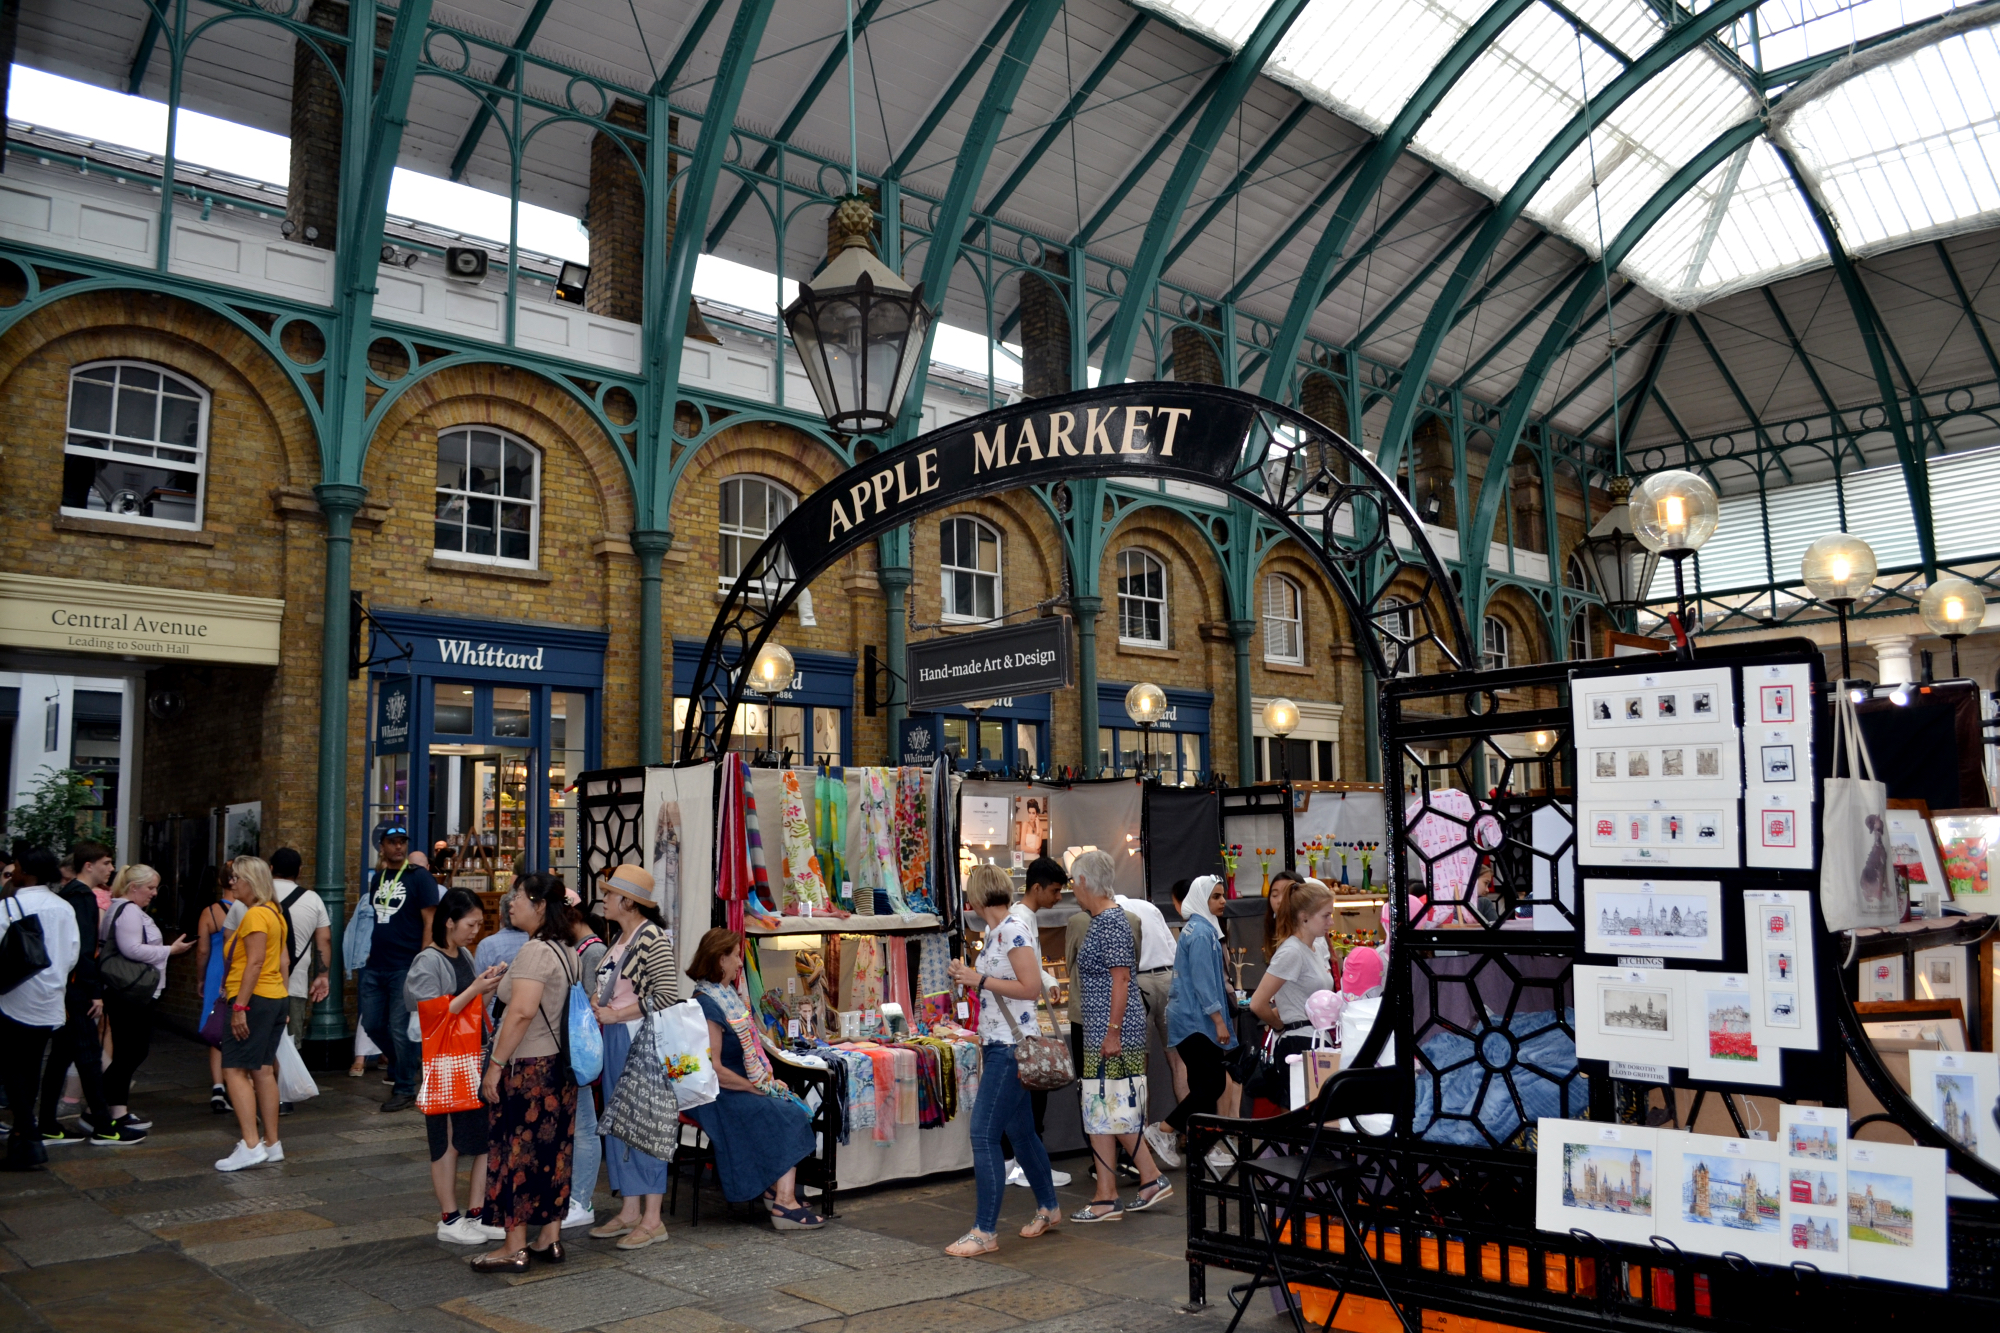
[1910,828]
[1969,844]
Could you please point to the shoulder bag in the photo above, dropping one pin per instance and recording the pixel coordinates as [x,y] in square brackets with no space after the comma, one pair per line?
[24,950]
[1856,885]
[1043,1062]
[125,978]
[645,1112]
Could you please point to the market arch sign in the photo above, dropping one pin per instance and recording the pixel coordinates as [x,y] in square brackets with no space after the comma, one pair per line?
[1309,481]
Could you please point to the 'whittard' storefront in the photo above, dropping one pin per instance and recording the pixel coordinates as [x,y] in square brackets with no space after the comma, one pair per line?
[477,729]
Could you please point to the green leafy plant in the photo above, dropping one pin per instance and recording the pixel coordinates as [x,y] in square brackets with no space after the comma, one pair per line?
[48,818]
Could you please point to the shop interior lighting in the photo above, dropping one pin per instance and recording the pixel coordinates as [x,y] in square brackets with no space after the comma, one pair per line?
[1837,569]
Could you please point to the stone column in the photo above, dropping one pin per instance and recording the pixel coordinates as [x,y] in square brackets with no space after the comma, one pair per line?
[1086,610]
[1894,656]
[651,546]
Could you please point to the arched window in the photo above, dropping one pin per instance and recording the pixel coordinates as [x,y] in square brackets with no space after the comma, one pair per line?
[1495,653]
[969,569]
[1284,621]
[1142,600]
[751,507]
[1579,634]
[137,447]
[489,491]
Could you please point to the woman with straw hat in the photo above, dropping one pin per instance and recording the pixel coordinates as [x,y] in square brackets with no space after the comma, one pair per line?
[638,977]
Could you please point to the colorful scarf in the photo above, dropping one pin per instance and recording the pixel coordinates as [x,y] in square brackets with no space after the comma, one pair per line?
[756,1065]
[804,890]
[861,973]
[896,989]
[830,835]
[878,869]
[742,881]
[913,847]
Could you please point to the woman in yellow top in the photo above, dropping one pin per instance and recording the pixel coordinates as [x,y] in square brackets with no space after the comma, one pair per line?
[254,982]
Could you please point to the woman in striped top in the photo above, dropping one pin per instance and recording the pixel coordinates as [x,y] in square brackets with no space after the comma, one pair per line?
[638,977]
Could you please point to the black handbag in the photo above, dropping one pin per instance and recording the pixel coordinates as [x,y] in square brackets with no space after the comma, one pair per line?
[124,978]
[23,949]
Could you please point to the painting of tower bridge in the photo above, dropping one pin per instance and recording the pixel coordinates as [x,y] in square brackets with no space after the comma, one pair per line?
[1728,1192]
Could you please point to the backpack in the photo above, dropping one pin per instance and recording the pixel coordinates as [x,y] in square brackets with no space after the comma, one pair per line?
[292,955]
[24,950]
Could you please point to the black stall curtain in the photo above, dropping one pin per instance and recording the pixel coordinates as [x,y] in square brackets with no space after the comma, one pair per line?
[1928,749]
[1183,838]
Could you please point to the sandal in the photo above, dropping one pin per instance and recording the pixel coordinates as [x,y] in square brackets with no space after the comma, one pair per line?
[1046,1220]
[1114,1212]
[1151,1195]
[613,1229]
[641,1237]
[800,1218]
[973,1242]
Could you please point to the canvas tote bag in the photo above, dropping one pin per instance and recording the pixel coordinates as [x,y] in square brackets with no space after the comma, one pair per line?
[1856,887]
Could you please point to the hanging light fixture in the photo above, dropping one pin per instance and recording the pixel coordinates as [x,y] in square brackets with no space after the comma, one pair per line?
[1673,513]
[1952,608]
[1281,719]
[1837,569]
[772,672]
[1618,563]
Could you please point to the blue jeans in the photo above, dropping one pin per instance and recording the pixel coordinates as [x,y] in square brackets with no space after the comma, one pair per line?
[589,1153]
[387,1023]
[1003,1107]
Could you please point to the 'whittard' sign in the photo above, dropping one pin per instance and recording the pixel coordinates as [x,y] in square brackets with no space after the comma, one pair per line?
[1029,658]
[464,652]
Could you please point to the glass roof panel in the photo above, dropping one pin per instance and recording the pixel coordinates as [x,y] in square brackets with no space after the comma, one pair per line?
[1909,147]
[1784,32]
[1742,226]
[1317,55]
[1229,22]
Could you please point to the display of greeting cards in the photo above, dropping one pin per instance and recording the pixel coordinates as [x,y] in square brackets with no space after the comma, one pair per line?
[1725,1039]
[1813,1141]
[1882,979]
[1956,1089]
[1660,768]
[1596,1178]
[1778,767]
[1723,1195]
[1895,1213]
[1665,918]
[1633,1015]
[1778,949]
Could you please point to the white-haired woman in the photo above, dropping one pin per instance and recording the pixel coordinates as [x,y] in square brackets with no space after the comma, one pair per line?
[131,932]
[1198,1015]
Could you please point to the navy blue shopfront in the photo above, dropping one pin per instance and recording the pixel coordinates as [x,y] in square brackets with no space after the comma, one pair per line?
[1178,748]
[477,729]
[1013,735]
[812,720]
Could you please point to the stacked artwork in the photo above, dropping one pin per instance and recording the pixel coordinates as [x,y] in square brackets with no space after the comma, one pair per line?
[1661,769]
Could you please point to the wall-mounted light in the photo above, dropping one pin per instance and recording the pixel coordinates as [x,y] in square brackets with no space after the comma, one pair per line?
[571,280]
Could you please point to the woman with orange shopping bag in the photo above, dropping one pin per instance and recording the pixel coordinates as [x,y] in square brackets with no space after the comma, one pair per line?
[444,996]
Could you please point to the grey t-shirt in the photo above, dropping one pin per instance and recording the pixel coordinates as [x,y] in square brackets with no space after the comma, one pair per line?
[1303,973]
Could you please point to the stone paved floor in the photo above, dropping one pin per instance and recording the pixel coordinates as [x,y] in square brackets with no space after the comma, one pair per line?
[340,1238]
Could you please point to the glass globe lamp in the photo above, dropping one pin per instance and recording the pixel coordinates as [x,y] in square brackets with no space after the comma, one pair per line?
[1146,703]
[1839,567]
[1674,513]
[1952,608]
[772,671]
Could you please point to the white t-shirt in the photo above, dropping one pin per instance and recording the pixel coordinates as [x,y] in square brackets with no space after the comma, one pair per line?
[308,914]
[1156,942]
[1303,973]
[995,961]
[38,1001]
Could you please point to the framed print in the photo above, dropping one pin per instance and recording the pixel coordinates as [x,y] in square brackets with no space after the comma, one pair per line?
[1940,974]
[1895,1213]
[1696,832]
[1813,1133]
[1777,703]
[1956,1089]
[1635,1015]
[1726,1040]
[1778,767]
[1882,980]
[1644,917]
[1781,957]
[1969,841]
[1596,1178]
[1778,763]
[1913,849]
[1813,1139]
[1726,1196]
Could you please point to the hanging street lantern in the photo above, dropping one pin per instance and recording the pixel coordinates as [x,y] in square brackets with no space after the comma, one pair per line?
[1620,566]
[858,327]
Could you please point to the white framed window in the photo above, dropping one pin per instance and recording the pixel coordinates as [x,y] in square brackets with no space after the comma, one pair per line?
[137,448]
[751,507]
[489,497]
[1397,619]
[1284,621]
[1579,634]
[969,569]
[1142,600]
[1494,647]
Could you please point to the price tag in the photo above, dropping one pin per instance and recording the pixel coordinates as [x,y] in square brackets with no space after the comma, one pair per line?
[792,1028]
[964,1011]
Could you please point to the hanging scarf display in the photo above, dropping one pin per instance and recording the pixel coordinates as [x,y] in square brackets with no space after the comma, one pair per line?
[885,1093]
[905,1061]
[760,901]
[913,848]
[830,835]
[878,869]
[944,855]
[804,890]
[896,986]
[861,971]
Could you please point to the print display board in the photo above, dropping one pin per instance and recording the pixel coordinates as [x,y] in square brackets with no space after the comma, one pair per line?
[1659,774]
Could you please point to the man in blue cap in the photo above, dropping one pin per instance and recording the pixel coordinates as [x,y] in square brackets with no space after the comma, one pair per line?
[403,896]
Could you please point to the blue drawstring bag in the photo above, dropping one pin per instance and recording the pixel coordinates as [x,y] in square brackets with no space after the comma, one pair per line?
[586,1039]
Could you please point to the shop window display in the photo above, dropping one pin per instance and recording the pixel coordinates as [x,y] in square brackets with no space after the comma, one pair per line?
[137,445]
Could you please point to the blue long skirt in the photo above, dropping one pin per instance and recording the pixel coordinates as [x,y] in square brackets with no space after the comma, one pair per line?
[633,1173]
[757,1139]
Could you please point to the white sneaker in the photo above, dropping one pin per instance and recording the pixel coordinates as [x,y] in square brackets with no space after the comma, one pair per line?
[1220,1160]
[244,1155]
[461,1231]
[274,1152]
[1058,1177]
[1016,1176]
[486,1232]
[1165,1150]
[580,1215]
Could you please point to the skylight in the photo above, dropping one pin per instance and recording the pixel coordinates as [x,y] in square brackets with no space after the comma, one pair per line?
[1784,32]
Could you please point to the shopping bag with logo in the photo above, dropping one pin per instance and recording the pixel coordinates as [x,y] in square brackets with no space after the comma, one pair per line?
[454,1056]
[680,1039]
[1310,1069]
[1856,885]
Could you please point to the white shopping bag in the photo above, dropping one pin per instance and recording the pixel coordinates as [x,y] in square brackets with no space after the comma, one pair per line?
[681,1034]
[295,1084]
[1357,1020]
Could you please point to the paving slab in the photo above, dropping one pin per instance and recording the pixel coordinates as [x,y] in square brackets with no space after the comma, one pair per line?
[412,1285]
[922,1317]
[714,1275]
[571,1303]
[322,1302]
[267,1247]
[853,1292]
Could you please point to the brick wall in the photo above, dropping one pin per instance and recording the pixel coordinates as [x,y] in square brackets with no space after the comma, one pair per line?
[1045,329]
[312,203]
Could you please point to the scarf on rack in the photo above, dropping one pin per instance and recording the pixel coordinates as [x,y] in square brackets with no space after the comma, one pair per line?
[896,986]
[742,881]
[913,847]
[804,889]
[861,977]
[830,834]
[878,869]
[756,1065]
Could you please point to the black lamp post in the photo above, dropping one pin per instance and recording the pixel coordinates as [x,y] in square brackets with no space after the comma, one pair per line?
[1952,608]
[1837,569]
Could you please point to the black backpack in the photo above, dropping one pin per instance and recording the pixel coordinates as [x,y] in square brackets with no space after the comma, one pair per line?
[292,954]
[24,950]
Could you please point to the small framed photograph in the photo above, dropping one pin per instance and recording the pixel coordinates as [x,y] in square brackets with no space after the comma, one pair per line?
[1638,764]
[1632,1014]
[1666,707]
[1940,973]
[1701,703]
[1882,980]
[1777,924]
[1774,704]
[1672,765]
[1777,763]
[1635,708]
[1607,763]
[1707,761]
[1778,828]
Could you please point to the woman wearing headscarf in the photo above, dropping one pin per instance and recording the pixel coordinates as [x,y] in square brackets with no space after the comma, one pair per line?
[1198,1015]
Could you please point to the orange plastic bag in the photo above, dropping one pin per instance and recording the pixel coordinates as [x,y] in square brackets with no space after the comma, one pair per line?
[454,1054]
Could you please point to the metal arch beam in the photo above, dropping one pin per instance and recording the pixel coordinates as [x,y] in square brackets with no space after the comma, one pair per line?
[1522,400]
[793,119]
[135,80]
[1472,43]
[1658,58]
[690,40]
[1238,78]
[1518,327]
[1492,284]
[1965,304]
[954,90]
[1238,183]
[510,67]
[1916,478]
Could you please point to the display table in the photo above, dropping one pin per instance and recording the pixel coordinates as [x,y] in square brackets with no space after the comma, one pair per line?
[913,1152]
[847,925]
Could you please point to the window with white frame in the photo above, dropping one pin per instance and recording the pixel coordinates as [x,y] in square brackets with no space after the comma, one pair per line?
[489,490]
[1494,652]
[1579,634]
[1142,600]
[1284,621]
[969,569]
[1397,622]
[137,447]
[751,508]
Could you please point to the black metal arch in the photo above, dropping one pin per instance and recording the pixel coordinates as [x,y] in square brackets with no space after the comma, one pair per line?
[1325,493]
